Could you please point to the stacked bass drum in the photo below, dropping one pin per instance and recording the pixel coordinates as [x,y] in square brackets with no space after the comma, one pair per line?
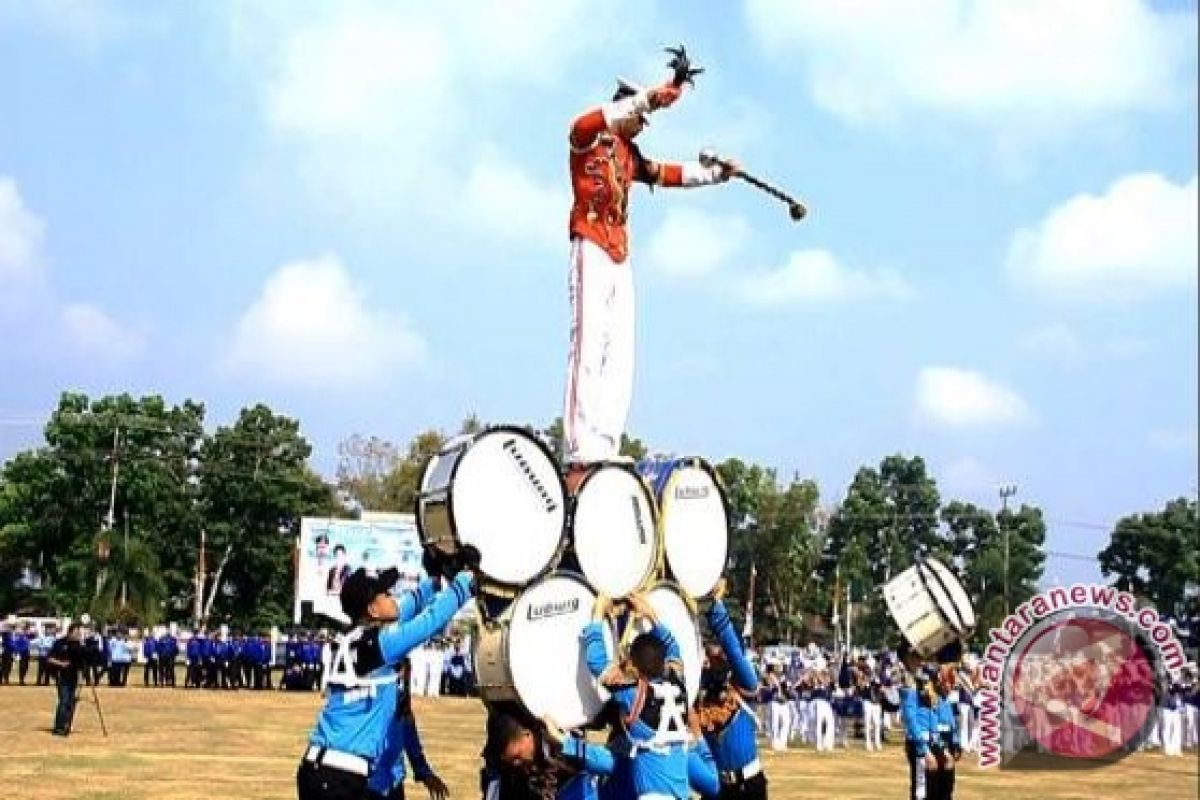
[661,527]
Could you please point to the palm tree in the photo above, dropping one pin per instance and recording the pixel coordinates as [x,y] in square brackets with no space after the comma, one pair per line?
[132,582]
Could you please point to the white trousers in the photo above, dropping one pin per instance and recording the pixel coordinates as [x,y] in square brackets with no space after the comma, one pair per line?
[873,725]
[780,715]
[800,721]
[1172,731]
[824,724]
[966,728]
[600,362]
[1191,726]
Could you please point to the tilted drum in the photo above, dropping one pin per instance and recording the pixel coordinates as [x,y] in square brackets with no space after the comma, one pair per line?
[930,606]
[500,491]
[613,529]
[693,519]
[534,653]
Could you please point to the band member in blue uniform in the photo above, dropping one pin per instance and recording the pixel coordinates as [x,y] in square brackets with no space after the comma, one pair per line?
[195,660]
[918,719]
[945,742]
[266,655]
[361,691]
[530,759]
[168,651]
[20,650]
[649,690]
[386,781]
[728,724]
[150,660]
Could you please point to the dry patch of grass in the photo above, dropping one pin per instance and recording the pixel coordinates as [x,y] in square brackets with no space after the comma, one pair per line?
[171,744]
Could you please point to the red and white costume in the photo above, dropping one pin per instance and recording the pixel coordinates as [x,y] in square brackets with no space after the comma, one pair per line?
[604,165]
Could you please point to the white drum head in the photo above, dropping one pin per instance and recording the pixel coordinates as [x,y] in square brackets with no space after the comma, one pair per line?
[507,500]
[950,597]
[695,528]
[674,613]
[613,525]
[545,651]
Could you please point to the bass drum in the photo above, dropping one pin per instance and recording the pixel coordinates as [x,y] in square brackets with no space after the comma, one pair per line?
[499,490]
[534,653]
[674,611]
[929,605]
[694,520]
[613,529]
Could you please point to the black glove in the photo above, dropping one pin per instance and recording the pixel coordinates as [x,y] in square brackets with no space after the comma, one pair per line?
[469,557]
[433,561]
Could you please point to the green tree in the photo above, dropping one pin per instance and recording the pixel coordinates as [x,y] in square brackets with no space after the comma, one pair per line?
[974,547]
[256,485]
[133,587]
[116,455]
[1154,555]
[888,517]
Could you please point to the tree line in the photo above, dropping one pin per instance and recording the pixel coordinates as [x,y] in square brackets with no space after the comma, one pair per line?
[132,510]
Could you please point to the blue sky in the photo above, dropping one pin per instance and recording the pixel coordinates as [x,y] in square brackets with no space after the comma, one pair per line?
[357,214]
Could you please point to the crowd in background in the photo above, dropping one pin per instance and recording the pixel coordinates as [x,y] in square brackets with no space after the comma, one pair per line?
[810,696]
[222,659]
[824,699]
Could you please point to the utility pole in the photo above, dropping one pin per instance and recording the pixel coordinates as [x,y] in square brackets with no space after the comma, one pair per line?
[111,519]
[125,565]
[198,607]
[1006,492]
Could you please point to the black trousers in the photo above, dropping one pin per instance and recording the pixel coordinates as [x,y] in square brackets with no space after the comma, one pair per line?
[43,672]
[753,789]
[23,667]
[150,672]
[326,783]
[397,793]
[6,660]
[64,712]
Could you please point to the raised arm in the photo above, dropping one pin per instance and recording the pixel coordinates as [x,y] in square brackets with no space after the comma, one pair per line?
[702,769]
[415,600]
[611,117]
[744,675]
[398,638]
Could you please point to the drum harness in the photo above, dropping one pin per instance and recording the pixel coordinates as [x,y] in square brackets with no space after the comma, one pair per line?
[339,668]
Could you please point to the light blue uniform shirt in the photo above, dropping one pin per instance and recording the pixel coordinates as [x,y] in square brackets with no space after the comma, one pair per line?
[356,719]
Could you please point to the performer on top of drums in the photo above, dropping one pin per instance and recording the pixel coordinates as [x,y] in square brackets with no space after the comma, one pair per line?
[728,724]
[361,691]
[649,689]
[604,163]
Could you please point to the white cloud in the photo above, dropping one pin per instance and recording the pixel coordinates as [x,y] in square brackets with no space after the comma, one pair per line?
[91,332]
[1056,340]
[20,237]
[691,242]
[960,398]
[816,276]
[311,326]
[1182,440]
[508,204]
[1005,62]
[1136,239]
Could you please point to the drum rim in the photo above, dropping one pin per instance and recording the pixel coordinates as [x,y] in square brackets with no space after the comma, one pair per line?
[503,624]
[924,572]
[655,515]
[664,561]
[527,432]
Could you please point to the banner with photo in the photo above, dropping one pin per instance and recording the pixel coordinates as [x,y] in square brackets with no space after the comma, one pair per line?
[331,549]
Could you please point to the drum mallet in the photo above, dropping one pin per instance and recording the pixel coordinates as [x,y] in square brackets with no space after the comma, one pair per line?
[796,209]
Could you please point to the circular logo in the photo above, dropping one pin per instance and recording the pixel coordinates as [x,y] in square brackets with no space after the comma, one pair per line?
[1083,687]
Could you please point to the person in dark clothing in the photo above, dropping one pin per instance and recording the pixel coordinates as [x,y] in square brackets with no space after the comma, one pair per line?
[68,657]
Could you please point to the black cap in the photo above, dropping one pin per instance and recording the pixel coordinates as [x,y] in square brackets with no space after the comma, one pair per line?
[362,587]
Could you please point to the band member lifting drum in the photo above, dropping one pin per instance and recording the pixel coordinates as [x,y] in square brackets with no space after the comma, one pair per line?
[604,164]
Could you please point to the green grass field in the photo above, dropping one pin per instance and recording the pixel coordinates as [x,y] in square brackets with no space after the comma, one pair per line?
[193,745]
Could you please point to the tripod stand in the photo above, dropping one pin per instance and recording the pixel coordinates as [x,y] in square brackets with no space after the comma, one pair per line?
[95,701]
